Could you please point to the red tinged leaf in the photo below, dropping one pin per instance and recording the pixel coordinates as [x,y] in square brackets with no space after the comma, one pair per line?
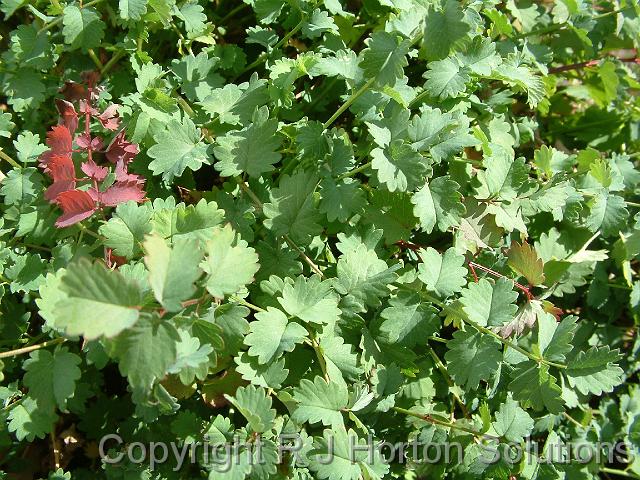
[68,114]
[56,188]
[73,91]
[112,260]
[94,171]
[120,149]
[76,205]
[85,142]
[90,77]
[62,171]
[109,118]
[122,175]
[59,139]
[121,192]
[83,106]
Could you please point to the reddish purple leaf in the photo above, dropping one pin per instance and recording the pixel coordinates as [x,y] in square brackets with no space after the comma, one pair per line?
[73,91]
[85,142]
[90,77]
[121,192]
[109,118]
[59,140]
[120,149]
[76,205]
[122,175]
[94,171]
[83,106]
[56,188]
[62,171]
[68,114]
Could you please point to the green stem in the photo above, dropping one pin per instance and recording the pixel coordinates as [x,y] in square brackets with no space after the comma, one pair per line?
[175,28]
[573,420]
[597,123]
[90,232]
[629,204]
[242,301]
[442,423]
[6,157]
[542,31]
[304,256]
[263,57]
[229,15]
[415,101]
[59,19]
[489,332]
[258,204]
[36,247]
[185,106]
[622,473]
[320,356]
[437,339]
[352,98]
[613,12]
[449,380]
[112,61]
[95,59]
[254,198]
[354,171]
[31,348]
[13,404]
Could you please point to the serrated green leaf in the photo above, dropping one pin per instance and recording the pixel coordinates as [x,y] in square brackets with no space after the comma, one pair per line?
[251,150]
[82,27]
[99,302]
[145,351]
[472,357]
[594,371]
[536,388]
[177,148]
[126,229]
[291,209]
[445,78]
[438,203]
[443,29]
[51,377]
[363,277]
[319,401]
[442,274]
[272,335]
[172,270]
[407,320]
[28,421]
[255,406]
[132,9]
[229,263]
[490,305]
[385,58]
[512,423]
[399,167]
[311,300]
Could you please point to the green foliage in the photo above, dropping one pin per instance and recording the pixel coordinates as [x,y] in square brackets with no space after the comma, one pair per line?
[361,222]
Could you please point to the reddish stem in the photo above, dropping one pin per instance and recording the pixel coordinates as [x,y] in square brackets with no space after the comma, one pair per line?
[592,63]
[474,265]
[87,132]
[473,272]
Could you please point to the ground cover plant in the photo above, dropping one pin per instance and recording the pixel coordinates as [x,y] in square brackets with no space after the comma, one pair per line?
[341,221]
